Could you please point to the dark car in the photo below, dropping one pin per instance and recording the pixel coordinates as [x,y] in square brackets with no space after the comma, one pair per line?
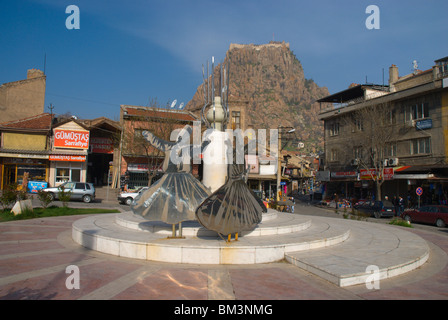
[431,214]
[377,209]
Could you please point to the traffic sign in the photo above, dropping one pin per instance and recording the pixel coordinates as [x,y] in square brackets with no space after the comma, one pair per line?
[419,191]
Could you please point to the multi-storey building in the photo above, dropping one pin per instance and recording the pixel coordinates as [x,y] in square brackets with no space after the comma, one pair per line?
[139,161]
[389,139]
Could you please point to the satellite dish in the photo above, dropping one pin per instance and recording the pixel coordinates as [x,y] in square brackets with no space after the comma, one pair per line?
[415,65]
[173,103]
[181,105]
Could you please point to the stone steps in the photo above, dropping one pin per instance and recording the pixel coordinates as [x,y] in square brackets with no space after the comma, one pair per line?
[389,250]
[267,243]
[273,223]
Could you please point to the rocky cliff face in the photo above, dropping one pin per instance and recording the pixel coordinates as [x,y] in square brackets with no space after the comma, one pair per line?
[271,79]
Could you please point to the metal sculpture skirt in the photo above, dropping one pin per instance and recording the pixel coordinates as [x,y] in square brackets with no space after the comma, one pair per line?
[230,209]
[172,199]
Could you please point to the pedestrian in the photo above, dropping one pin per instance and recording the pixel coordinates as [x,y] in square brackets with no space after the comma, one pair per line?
[336,200]
[395,202]
[401,205]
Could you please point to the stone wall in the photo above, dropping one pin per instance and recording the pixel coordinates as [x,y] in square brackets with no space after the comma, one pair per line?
[23,98]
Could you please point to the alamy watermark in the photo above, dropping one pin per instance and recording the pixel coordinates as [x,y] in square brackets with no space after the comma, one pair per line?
[373,279]
[73,20]
[373,20]
[73,280]
[219,146]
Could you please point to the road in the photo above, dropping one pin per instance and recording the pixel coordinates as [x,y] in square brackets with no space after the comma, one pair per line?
[108,199]
[304,207]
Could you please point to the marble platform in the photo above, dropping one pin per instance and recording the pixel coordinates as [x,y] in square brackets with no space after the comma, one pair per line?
[335,249]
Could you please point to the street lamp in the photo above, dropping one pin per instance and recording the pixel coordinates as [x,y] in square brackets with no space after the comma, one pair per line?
[279,165]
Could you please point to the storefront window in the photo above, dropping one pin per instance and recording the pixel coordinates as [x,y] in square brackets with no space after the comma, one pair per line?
[68,172]
[62,175]
[35,173]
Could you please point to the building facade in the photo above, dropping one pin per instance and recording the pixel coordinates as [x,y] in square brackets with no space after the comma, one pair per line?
[24,148]
[104,151]
[52,152]
[139,161]
[68,155]
[24,97]
[388,140]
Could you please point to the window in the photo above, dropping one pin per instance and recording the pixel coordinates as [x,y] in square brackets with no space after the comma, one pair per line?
[391,117]
[359,125]
[357,152]
[68,172]
[236,120]
[418,111]
[79,186]
[334,129]
[421,111]
[390,150]
[35,173]
[69,186]
[420,146]
[333,155]
[443,67]
[62,175]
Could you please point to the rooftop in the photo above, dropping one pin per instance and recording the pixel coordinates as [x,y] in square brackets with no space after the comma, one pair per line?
[159,113]
[352,93]
[39,122]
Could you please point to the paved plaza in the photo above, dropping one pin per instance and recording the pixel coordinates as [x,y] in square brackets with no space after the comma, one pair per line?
[35,256]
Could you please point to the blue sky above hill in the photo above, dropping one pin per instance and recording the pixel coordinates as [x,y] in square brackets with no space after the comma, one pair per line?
[128,52]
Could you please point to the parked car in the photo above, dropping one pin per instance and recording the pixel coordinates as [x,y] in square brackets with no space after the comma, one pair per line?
[79,191]
[359,202]
[128,197]
[432,214]
[377,209]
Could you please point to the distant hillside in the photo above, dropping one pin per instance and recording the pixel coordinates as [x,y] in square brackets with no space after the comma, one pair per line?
[272,80]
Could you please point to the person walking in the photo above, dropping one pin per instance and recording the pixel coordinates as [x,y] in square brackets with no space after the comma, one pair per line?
[395,202]
[400,206]
[293,204]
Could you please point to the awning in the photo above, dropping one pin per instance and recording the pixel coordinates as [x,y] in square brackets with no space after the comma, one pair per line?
[421,172]
[415,176]
[420,168]
[254,176]
[18,153]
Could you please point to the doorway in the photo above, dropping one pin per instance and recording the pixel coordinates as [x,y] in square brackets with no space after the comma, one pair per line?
[9,174]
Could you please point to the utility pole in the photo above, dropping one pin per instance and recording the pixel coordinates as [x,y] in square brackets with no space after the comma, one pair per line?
[51,107]
[279,164]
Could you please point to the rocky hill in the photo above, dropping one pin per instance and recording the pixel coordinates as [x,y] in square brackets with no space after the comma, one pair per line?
[271,79]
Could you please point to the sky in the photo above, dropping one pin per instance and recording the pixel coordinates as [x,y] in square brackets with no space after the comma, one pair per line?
[131,52]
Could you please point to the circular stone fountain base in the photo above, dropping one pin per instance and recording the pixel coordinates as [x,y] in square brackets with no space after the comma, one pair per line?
[336,249]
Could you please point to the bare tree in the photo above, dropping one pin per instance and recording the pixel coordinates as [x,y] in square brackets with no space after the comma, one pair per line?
[160,122]
[375,128]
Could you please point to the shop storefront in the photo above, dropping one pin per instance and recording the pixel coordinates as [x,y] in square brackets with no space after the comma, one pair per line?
[14,170]
[68,158]
[136,174]
[67,168]
[398,182]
